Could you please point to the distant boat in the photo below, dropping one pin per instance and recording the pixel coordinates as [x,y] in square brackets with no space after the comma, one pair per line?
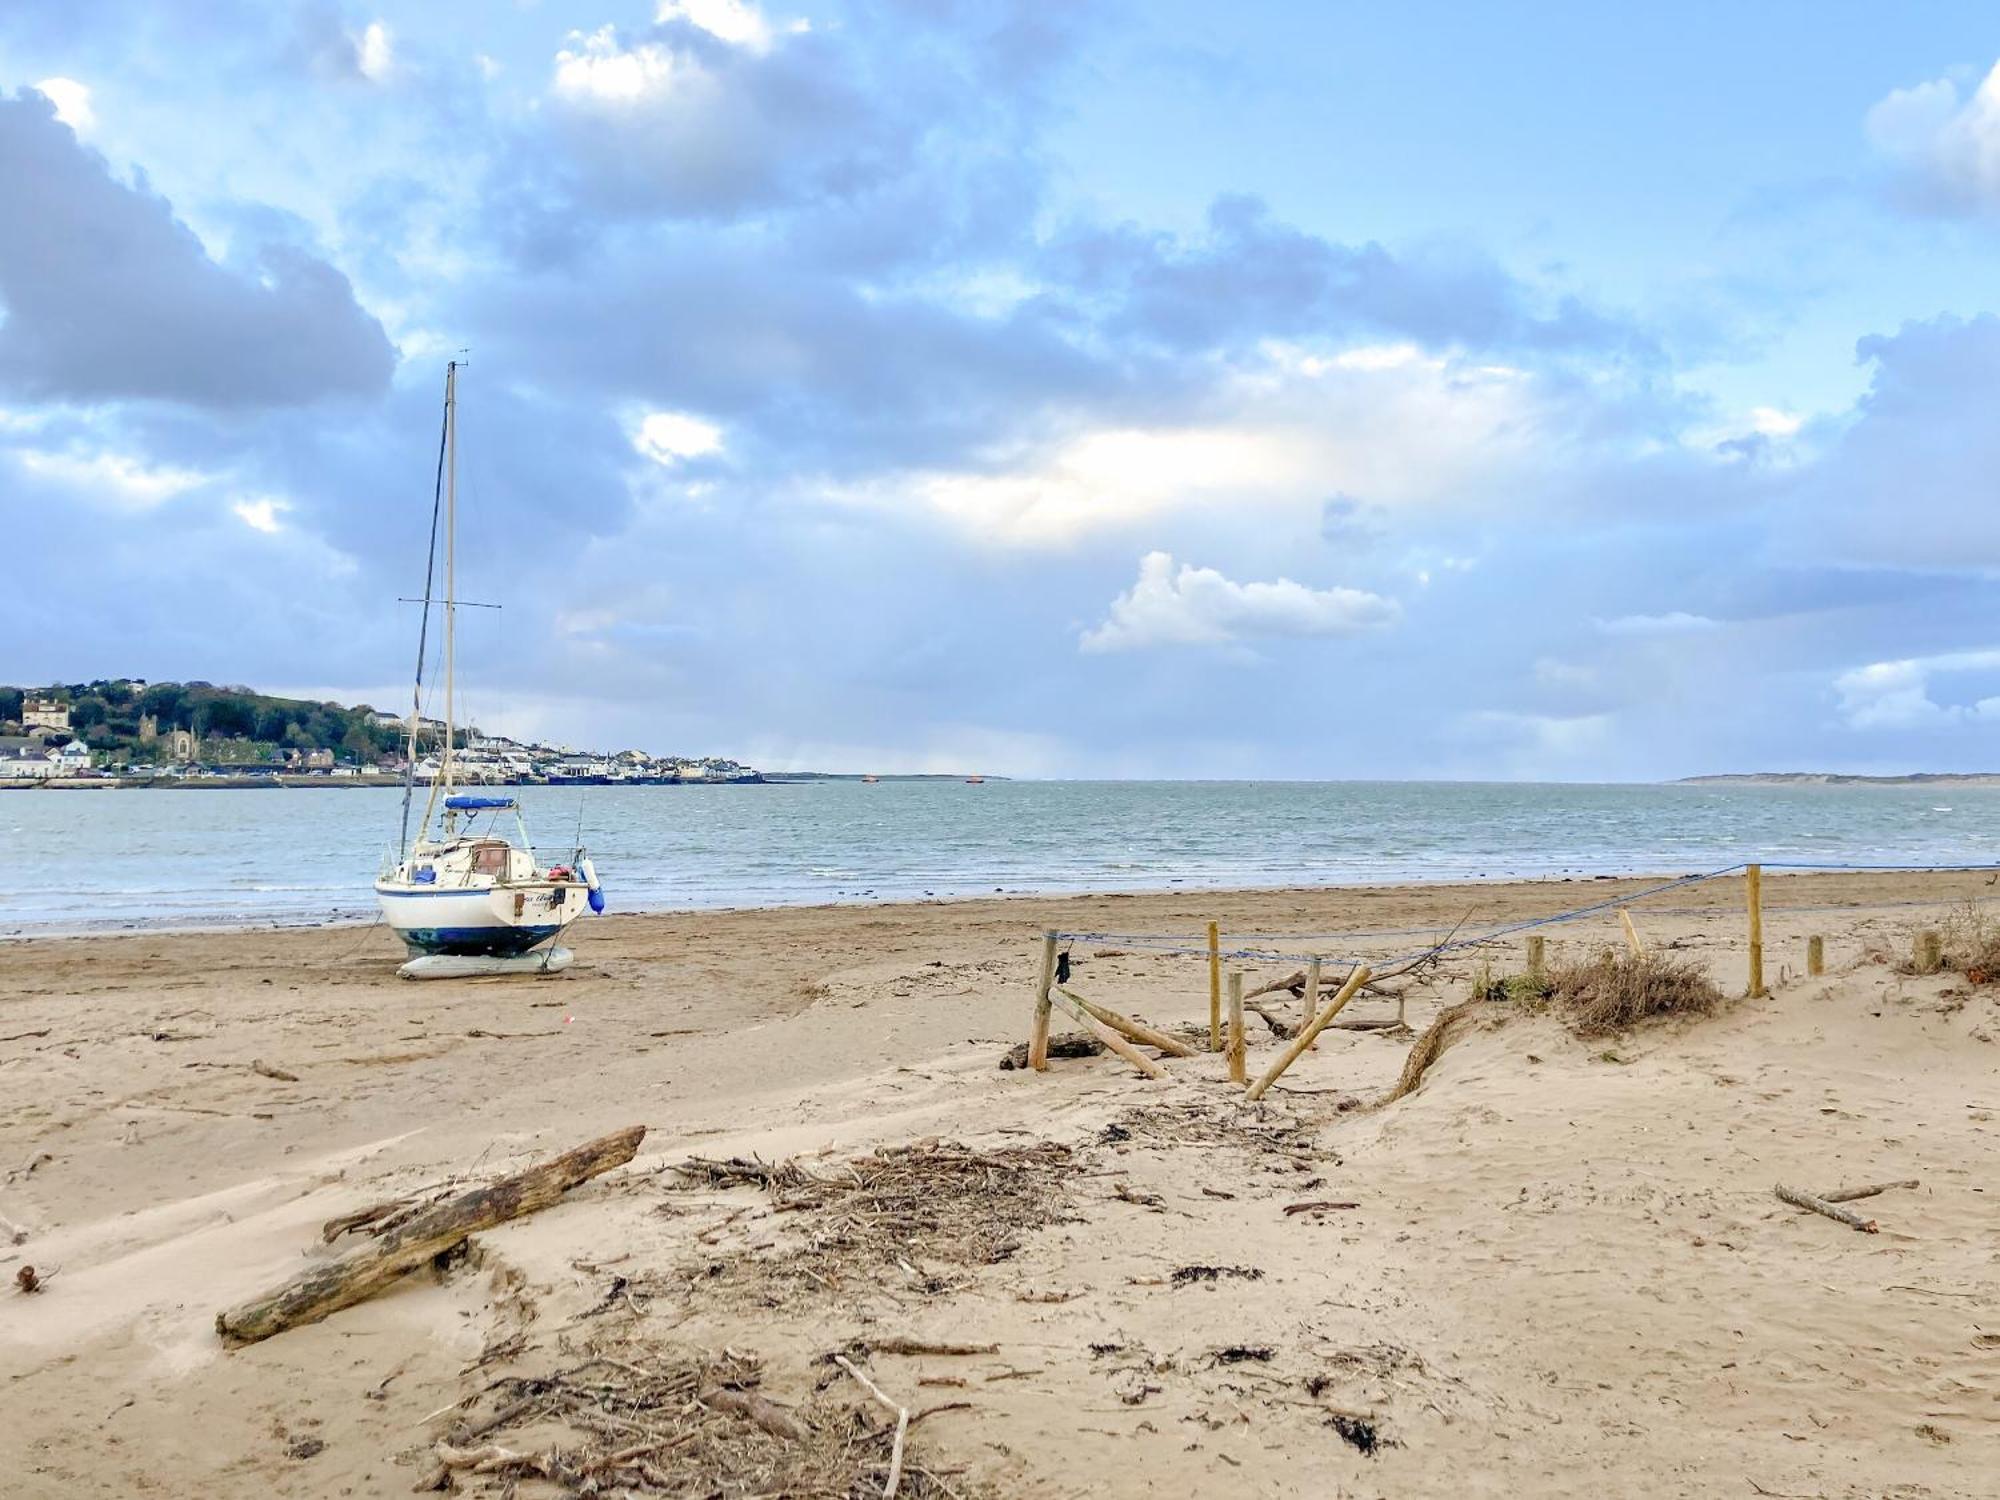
[975,781]
[467,891]
[871,780]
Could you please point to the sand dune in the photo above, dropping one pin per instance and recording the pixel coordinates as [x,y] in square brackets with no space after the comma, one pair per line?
[1564,1271]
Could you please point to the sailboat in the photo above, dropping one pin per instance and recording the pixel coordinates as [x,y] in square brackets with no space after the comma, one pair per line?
[466,896]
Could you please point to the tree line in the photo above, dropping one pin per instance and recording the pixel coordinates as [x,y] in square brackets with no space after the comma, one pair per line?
[106,714]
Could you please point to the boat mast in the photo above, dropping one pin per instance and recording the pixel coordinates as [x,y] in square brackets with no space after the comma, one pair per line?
[446,768]
[412,741]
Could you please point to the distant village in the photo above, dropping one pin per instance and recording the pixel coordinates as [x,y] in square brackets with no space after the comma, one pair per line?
[131,733]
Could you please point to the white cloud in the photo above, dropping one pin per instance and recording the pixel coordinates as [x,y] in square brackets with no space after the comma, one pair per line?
[72,102]
[599,71]
[261,514]
[114,477]
[1199,606]
[1404,433]
[729,20]
[667,437]
[1116,476]
[1897,694]
[1945,145]
[1676,622]
[374,52]
[1771,422]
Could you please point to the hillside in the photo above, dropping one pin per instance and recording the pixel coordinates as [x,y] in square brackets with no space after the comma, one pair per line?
[115,717]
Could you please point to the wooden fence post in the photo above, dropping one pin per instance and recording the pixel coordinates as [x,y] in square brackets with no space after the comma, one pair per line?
[1139,1031]
[1930,951]
[1753,884]
[1038,1039]
[1632,938]
[1236,1027]
[1538,950]
[1113,1040]
[1214,987]
[1311,1033]
[1815,956]
[1311,994]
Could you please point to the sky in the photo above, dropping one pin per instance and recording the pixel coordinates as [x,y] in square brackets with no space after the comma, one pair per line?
[1155,389]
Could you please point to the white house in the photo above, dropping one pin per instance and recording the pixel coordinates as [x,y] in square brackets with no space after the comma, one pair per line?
[45,713]
[29,759]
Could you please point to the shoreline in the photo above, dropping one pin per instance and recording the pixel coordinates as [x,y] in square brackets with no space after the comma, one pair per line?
[338,920]
[1611,884]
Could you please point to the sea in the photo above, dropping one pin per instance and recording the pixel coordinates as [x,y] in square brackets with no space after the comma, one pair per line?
[78,861]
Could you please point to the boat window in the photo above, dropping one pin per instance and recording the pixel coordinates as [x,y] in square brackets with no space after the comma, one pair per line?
[490,859]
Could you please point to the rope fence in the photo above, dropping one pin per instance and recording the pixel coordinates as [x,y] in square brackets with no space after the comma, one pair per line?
[1113,1029]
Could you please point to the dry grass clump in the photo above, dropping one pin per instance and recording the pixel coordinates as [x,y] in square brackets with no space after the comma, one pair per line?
[1614,991]
[1969,944]
[664,1421]
[873,1219]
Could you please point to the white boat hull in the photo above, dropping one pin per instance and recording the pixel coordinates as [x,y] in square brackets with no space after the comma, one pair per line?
[480,921]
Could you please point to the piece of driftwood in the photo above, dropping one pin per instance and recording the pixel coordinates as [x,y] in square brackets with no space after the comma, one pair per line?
[489,1458]
[1868,1190]
[1112,1039]
[895,1479]
[1284,1030]
[1068,1044]
[369,1269]
[928,1346]
[1280,1027]
[463,1435]
[260,1066]
[1296,983]
[752,1407]
[1834,1211]
[1139,1031]
[1305,1038]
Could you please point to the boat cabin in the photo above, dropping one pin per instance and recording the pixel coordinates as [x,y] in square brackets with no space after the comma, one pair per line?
[473,861]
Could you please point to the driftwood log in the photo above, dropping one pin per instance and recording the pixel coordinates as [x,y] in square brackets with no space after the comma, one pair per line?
[1285,1030]
[1849,1194]
[1295,982]
[761,1410]
[1847,1216]
[371,1268]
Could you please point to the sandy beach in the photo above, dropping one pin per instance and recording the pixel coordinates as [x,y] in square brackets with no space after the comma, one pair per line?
[1563,1270]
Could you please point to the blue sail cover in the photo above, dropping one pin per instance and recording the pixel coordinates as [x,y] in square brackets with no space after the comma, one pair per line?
[477,804]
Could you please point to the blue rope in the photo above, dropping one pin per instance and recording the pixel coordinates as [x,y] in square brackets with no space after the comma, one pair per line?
[1168,945]
[1901,869]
